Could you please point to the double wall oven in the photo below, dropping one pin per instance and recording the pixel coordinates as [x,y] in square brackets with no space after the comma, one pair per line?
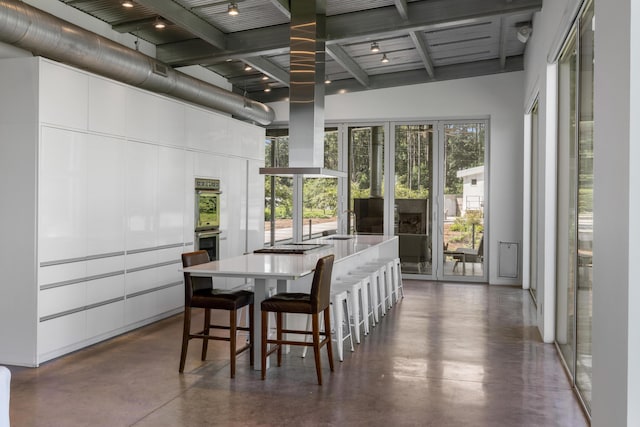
[207,220]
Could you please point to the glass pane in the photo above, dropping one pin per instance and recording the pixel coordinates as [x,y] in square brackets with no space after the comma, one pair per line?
[366,172]
[533,264]
[320,195]
[566,204]
[413,196]
[464,177]
[585,209]
[278,190]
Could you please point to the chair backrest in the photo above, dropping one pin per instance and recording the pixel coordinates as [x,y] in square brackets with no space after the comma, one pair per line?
[321,286]
[192,283]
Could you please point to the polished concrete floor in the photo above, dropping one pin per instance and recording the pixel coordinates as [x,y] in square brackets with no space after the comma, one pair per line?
[447,355]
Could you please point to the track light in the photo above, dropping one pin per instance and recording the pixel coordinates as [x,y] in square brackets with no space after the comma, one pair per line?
[384,58]
[265,77]
[247,67]
[127,4]
[327,80]
[267,89]
[374,47]
[233,9]
[523,31]
[159,24]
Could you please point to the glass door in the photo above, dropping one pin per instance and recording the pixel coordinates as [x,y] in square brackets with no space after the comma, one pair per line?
[366,178]
[462,205]
[414,191]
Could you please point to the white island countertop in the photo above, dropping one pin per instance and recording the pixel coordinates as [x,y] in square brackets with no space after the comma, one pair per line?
[291,266]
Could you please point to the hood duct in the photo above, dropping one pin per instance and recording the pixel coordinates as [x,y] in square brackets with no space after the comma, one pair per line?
[306,92]
[43,34]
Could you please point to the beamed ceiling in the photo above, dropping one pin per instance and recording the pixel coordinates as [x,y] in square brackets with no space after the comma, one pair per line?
[424,40]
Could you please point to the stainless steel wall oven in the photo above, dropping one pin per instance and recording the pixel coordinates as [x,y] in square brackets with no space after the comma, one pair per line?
[207,216]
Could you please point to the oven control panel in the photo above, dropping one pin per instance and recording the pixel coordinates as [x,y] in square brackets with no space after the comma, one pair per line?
[207,184]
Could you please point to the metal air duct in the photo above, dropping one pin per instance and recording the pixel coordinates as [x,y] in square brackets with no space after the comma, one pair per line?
[46,35]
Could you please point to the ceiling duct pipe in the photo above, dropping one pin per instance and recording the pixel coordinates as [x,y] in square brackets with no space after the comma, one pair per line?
[306,92]
[46,35]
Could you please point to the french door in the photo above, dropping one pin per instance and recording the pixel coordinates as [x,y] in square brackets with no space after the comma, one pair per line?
[439,198]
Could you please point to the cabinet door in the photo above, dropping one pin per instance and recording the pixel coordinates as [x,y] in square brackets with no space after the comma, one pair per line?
[62,195]
[141,189]
[105,196]
[170,204]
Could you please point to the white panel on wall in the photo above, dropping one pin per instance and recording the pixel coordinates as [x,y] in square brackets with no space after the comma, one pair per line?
[62,195]
[255,206]
[61,332]
[141,189]
[170,121]
[105,198]
[104,319]
[207,131]
[189,198]
[141,280]
[61,299]
[140,308]
[142,116]
[64,95]
[170,204]
[106,112]
[105,289]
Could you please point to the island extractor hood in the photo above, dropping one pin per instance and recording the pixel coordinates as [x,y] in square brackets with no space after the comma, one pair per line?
[306,93]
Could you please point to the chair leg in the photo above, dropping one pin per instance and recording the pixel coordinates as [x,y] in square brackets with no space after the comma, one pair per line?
[186,330]
[205,341]
[265,329]
[251,340]
[279,336]
[338,320]
[233,335]
[316,345]
[327,328]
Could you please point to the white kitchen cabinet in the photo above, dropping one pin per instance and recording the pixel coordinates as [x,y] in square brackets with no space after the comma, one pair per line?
[100,180]
[170,196]
[62,201]
[141,162]
[105,195]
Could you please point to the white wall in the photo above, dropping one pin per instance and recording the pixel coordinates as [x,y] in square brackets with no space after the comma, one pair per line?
[497,97]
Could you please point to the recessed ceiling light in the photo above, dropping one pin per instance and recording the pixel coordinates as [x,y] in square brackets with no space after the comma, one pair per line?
[233,9]
[374,47]
[127,4]
[384,58]
[265,77]
[247,67]
[159,24]
[327,80]
[267,89]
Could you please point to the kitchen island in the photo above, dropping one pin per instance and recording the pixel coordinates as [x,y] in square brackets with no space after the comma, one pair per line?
[294,271]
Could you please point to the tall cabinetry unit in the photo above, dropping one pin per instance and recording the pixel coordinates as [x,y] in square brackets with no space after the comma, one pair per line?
[98,204]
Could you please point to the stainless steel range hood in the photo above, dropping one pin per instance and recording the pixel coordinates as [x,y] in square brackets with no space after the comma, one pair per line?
[306,93]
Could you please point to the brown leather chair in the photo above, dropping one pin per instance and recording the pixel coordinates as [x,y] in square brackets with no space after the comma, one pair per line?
[200,293]
[313,303]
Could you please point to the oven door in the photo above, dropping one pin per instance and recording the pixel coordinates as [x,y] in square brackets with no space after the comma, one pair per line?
[207,210]
[210,242]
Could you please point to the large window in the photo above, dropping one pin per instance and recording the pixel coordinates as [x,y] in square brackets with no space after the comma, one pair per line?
[575,203]
[319,194]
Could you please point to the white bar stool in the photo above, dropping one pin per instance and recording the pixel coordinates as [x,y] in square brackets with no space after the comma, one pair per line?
[394,265]
[377,275]
[358,302]
[385,272]
[341,315]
